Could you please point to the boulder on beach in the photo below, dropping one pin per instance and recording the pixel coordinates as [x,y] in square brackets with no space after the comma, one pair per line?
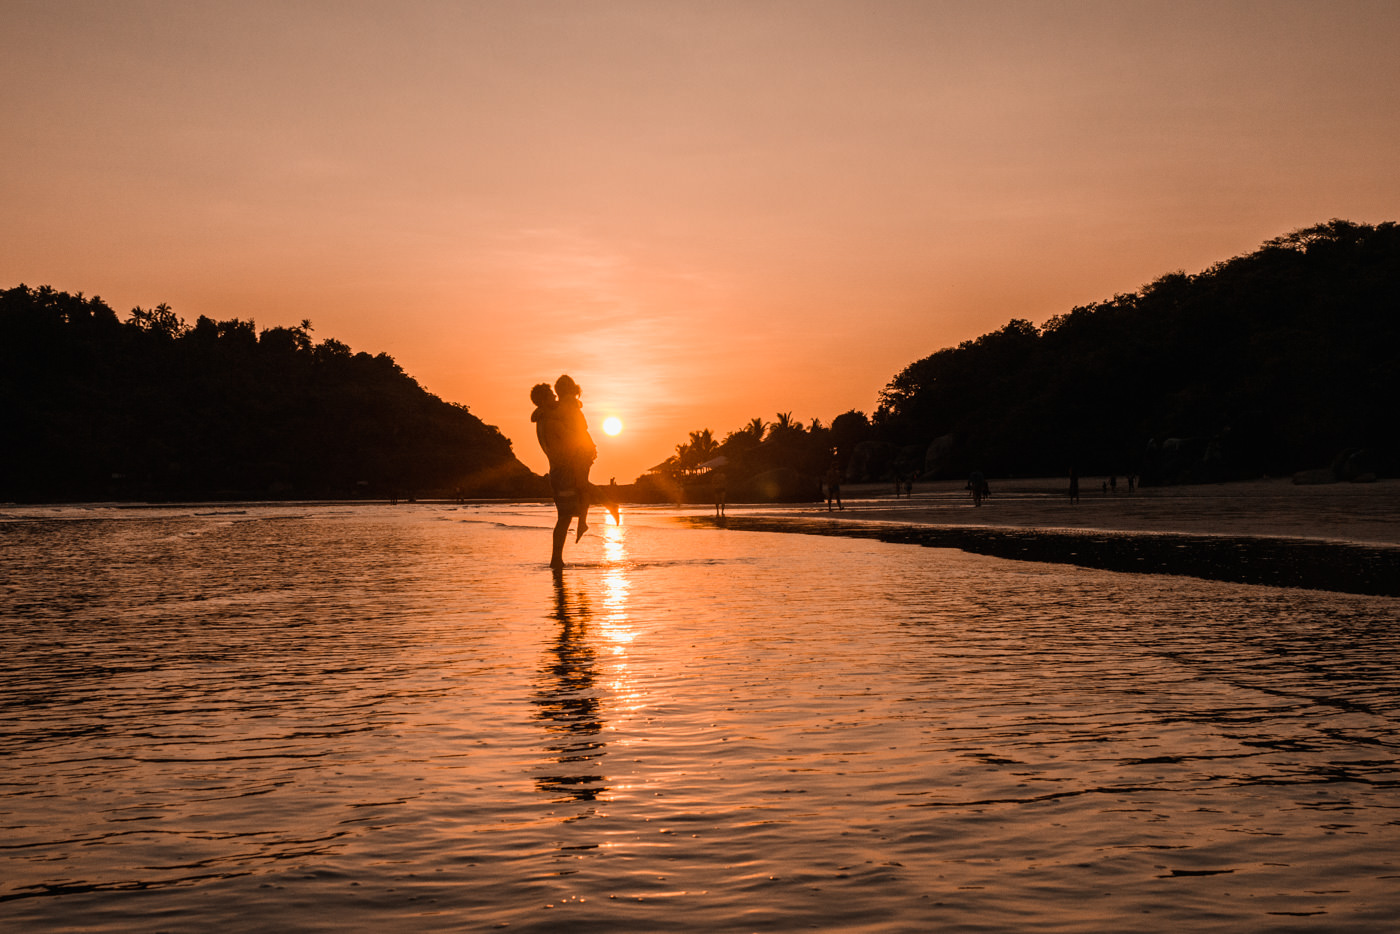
[1352,465]
[1355,465]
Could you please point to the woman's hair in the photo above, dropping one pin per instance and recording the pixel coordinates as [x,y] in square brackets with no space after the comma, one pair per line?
[566,387]
[541,393]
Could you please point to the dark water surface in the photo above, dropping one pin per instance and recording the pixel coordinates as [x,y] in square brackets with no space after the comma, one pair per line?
[375,718]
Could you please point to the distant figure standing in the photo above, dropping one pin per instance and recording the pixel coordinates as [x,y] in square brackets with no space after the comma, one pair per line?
[1073,485]
[977,483]
[909,487]
[717,481]
[833,487]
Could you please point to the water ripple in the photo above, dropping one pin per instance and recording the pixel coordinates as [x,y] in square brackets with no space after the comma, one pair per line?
[380,717]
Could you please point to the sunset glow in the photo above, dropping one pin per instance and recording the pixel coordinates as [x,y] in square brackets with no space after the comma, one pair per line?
[647,197]
[700,465]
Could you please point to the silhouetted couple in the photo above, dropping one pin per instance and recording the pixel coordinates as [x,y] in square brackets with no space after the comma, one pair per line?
[563,434]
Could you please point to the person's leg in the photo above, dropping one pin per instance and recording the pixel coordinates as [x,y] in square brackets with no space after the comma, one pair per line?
[564,509]
[608,499]
[585,490]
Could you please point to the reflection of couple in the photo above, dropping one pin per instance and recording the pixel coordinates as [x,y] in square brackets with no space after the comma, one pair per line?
[569,701]
[563,434]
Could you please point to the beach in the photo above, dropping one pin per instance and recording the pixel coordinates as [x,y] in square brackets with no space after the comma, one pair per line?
[1339,537]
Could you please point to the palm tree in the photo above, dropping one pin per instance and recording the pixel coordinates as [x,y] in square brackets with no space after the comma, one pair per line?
[703,445]
[700,448]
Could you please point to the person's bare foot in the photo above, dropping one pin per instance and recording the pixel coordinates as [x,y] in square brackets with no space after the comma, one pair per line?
[617,515]
[582,527]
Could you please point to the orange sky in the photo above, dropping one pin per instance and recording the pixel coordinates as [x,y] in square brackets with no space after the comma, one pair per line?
[705,211]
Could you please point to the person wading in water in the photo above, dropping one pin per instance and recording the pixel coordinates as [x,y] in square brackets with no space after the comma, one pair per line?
[563,435]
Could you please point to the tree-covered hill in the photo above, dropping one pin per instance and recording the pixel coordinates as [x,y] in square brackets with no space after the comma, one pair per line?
[1282,360]
[95,407]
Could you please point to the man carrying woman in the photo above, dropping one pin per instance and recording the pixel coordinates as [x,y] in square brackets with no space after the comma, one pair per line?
[563,434]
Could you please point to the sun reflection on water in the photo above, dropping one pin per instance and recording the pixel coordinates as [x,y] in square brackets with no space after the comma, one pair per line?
[617,627]
[617,583]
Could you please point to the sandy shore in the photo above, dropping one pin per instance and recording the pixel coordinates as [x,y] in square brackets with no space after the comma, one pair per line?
[1342,537]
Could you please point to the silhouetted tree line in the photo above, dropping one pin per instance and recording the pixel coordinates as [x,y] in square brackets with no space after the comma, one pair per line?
[781,460]
[95,407]
[1279,361]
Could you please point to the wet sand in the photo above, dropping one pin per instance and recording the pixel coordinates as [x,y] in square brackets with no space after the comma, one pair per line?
[1338,537]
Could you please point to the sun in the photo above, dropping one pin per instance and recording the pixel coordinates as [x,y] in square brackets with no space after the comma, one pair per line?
[612,425]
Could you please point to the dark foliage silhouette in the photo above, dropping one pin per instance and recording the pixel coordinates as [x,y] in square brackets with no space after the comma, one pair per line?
[95,407]
[778,461]
[1275,362]
[1268,363]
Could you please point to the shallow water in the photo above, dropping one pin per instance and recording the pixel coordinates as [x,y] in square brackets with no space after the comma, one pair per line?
[309,719]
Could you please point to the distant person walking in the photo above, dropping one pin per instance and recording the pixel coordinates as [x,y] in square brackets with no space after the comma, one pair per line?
[833,487]
[1073,485]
